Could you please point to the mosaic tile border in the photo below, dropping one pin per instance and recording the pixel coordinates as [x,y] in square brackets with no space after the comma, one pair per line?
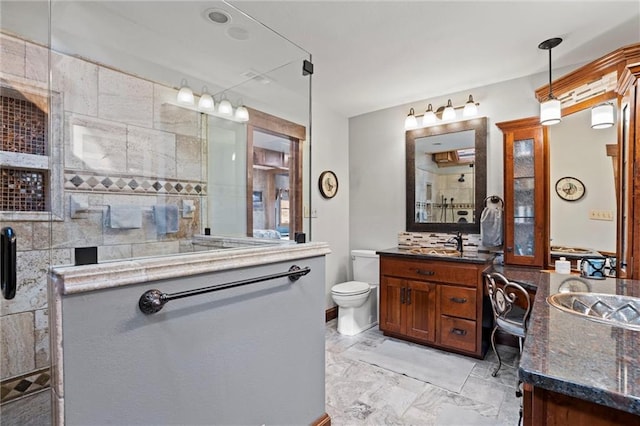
[25,384]
[409,240]
[75,181]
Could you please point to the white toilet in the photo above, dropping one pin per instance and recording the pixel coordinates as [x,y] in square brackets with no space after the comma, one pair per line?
[358,300]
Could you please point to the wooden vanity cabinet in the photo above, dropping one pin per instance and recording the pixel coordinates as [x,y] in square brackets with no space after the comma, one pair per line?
[526,183]
[432,302]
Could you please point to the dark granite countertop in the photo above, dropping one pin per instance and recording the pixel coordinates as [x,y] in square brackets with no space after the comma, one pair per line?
[585,359]
[529,278]
[465,257]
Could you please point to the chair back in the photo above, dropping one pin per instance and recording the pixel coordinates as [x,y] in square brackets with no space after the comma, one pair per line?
[504,294]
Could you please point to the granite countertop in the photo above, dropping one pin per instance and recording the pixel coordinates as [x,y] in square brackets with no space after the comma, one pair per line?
[529,278]
[578,357]
[465,257]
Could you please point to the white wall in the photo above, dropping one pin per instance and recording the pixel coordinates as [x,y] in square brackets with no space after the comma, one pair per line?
[377,155]
[330,151]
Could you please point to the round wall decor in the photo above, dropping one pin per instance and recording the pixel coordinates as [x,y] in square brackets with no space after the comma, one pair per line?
[328,184]
[570,189]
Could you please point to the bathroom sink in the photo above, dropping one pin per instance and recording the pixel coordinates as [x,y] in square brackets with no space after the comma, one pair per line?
[435,251]
[621,311]
[572,250]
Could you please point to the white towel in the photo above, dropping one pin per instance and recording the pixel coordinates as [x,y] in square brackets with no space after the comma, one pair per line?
[124,217]
[491,226]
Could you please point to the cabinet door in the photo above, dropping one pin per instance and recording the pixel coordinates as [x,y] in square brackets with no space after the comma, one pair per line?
[525,186]
[420,304]
[391,290]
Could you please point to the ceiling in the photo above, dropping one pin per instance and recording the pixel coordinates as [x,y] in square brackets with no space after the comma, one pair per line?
[367,55]
[370,55]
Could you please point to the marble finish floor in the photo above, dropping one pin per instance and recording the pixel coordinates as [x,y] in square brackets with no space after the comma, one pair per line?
[358,393]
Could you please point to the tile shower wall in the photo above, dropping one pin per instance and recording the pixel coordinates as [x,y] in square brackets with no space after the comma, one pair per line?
[122,144]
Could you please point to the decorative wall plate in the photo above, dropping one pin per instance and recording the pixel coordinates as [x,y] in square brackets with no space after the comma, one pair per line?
[328,184]
[570,189]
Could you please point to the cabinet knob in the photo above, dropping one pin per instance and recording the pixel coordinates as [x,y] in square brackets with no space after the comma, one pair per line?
[510,249]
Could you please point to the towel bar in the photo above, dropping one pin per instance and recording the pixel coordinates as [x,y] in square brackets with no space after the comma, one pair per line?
[152,301]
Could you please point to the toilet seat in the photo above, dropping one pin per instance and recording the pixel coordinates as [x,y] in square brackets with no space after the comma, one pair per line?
[350,288]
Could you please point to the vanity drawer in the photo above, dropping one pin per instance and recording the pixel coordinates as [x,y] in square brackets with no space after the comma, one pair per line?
[427,270]
[457,333]
[458,302]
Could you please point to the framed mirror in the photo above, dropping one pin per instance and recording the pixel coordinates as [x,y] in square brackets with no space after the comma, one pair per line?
[446,184]
[587,225]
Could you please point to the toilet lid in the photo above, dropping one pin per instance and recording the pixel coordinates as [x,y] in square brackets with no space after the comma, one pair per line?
[350,287]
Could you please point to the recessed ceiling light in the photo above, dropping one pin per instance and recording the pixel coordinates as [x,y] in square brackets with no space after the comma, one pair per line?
[217,16]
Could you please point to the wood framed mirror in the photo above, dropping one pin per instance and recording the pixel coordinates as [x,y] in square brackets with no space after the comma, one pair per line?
[446,176]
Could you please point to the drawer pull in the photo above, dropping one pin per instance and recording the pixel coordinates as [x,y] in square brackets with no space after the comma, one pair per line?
[423,272]
[458,299]
[459,332]
[408,296]
[402,293]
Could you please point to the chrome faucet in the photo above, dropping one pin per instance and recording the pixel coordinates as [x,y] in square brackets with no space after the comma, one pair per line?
[458,240]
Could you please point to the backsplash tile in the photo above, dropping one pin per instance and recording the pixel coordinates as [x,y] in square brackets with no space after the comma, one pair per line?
[409,240]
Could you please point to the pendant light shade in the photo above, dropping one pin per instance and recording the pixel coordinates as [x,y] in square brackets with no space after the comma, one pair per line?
[551,109]
[429,116]
[410,122]
[602,116]
[206,101]
[242,114]
[185,94]
[225,108]
[470,108]
[449,113]
[550,112]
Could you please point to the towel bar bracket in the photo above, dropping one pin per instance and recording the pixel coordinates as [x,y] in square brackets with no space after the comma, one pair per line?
[153,301]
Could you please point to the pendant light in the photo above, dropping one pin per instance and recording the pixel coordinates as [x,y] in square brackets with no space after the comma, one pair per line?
[410,122]
[602,116]
[550,110]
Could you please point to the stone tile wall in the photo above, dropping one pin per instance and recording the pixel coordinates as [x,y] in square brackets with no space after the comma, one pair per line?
[121,143]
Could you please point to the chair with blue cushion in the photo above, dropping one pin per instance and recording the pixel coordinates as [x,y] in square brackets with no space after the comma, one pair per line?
[511,308]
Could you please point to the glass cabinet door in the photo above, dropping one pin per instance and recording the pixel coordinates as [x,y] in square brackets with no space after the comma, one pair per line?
[525,183]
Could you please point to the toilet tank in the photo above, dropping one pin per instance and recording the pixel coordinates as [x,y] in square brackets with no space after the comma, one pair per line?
[366,266]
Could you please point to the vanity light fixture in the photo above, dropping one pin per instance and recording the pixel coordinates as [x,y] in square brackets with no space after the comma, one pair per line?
[429,116]
[185,94]
[449,113]
[550,110]
[225,108]
[602,116]
[242,114]
[410,122]
[206,101]
[470,108]
[444,113]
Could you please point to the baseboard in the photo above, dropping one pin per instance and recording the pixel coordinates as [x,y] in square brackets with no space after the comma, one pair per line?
[325,420]
[331,313]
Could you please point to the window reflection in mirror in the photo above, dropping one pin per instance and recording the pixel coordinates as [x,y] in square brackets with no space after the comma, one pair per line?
[446,176]
[587,225]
